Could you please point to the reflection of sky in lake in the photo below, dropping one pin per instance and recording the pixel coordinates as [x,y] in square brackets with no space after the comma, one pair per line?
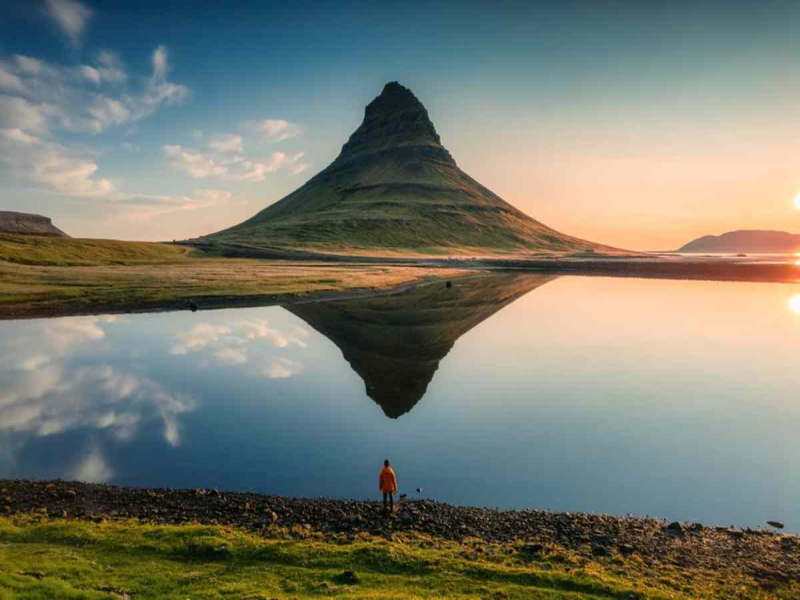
[667,398]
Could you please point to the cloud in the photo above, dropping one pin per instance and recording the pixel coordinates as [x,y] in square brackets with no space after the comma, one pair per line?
[198,164]
[71,98]
[231,356]
[143,208]
[70,15]
[281,368]
[199,336]
[10,82]
[194,163]
[276,130]
[91,469]
[226,142]
[50,164]
[227,344]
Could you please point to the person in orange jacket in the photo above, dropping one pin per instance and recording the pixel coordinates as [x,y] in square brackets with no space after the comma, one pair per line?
[387,482]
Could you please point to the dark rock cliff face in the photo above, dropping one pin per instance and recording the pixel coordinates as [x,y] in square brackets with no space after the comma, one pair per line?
[395,188]
[395,119]
[17,222]
[395,343]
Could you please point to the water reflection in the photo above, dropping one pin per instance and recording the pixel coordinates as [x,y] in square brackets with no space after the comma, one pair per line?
[794,303]
[395,343]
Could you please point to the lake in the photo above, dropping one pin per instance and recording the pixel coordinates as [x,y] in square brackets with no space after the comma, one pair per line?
[674,399]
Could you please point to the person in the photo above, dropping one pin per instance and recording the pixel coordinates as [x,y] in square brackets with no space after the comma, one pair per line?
[387,482]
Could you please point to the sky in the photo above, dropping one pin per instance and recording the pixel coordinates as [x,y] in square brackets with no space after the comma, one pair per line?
[636,124]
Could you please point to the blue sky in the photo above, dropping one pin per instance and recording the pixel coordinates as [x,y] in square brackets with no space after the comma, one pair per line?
[630,123]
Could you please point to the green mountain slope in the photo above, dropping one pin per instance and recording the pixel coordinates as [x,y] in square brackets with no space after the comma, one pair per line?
[394,188]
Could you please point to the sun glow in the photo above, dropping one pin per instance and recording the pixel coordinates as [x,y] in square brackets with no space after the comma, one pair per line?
[797,202]
[794,303]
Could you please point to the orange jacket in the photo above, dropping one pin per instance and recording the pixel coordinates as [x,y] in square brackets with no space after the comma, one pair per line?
[387,482]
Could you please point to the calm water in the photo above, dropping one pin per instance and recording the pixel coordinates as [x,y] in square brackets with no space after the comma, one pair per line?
[664,398]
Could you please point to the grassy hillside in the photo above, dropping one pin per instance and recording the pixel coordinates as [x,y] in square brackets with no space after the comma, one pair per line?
[41,276]
[50,250]
[395,189]
[52,559]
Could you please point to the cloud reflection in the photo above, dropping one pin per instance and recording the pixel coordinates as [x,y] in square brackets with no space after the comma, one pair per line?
[229,344]
[45,394]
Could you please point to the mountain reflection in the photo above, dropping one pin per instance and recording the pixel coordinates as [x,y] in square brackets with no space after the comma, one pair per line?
[395,343]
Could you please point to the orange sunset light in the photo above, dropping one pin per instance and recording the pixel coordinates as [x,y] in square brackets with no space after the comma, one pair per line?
[794,303]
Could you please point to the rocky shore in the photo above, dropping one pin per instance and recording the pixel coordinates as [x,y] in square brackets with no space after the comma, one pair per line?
[764,555]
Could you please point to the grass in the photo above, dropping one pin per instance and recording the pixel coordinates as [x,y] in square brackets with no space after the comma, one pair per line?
[42,558]
[47,276]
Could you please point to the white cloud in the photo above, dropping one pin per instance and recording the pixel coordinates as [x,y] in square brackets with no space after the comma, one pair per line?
[68,97]
[91,469]
[227,344]
[195,164]
[70,15]
[231,356]
[226,142]
[276,130]
[281,368]
[9,82]
[159,59]
[51,165]
[199,336]
[143,208]
[198,164]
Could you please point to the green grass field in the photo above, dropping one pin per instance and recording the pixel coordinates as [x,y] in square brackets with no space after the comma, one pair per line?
[52,559]
[41,276]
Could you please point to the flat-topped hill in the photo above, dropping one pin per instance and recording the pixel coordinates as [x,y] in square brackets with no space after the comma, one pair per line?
[395,189]
[27,223]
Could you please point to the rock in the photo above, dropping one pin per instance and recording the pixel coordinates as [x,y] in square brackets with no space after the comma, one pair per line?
[192,306]
[776,524]
[626,549]
[675,527]
[534,548]
[348,577]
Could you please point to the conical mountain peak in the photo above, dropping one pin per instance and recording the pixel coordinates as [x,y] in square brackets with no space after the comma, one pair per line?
[396,119]
[395,189]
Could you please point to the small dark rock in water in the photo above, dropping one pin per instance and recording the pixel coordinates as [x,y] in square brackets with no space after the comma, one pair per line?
[776,524]
[419,490]
[193,306]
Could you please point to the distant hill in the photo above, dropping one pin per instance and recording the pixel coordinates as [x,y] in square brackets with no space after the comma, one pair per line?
[26,223]
[394,188]
[746,241]
[395,343]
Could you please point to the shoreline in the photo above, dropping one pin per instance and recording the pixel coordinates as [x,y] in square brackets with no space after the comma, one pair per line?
[761,554]
[425,272]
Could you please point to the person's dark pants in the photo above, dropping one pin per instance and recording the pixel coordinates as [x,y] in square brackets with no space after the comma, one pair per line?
[388,501]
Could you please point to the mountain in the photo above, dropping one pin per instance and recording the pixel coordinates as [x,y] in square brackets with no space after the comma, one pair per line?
[395,189]
[17,222]
[395,343]
[746,241]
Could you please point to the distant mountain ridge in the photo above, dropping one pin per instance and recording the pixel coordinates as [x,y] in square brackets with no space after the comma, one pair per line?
[394,188]
[746,240]
[28,223]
